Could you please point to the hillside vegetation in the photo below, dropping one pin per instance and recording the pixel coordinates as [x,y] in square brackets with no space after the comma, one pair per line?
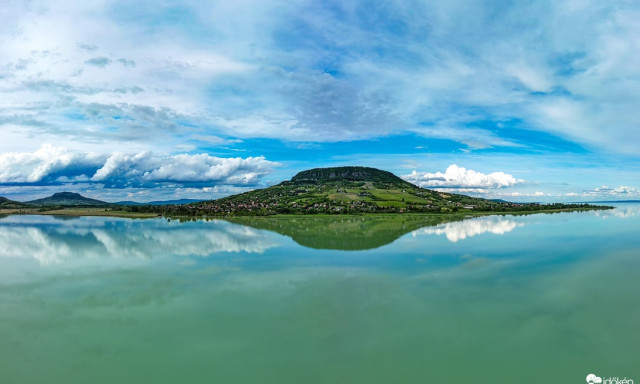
[67,199]
[347,190]
[11,204]
[338,190]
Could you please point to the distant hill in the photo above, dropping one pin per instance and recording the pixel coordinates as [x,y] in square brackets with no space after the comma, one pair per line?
[11,204]
[68,199]
[160,202]
[346,190]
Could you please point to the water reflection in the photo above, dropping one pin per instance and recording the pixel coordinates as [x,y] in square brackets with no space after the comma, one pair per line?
[554,288]
[621,211]
[461,230]
[51,241]
[345,233]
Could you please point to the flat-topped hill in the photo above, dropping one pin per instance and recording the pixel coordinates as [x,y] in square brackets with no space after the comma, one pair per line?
[336,190]
[68,199]
[345,190]
[319,175]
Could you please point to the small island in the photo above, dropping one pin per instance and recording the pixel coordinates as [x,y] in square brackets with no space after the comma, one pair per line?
[350,190]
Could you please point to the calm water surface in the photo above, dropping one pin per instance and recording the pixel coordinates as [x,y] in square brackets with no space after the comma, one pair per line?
[498,299]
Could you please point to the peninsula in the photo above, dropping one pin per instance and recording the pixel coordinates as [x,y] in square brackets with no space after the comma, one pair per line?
[334,191]
[349,190]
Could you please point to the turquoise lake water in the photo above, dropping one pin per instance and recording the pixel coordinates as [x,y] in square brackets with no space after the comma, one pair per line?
[545,298]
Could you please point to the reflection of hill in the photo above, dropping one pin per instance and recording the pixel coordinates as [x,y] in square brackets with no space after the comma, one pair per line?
[346,233]
[53,241]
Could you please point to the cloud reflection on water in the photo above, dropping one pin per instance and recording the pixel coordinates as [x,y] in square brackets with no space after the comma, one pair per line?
[53,241]
[622,211]
[460,230]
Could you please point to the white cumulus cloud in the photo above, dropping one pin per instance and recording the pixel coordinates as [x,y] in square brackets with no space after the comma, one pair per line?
[619,192]
[51,165]
[459,177]
[183,168]
[34,167]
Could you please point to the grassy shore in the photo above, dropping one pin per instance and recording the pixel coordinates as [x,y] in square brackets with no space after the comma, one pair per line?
[80,212]
[143,215]
[461,212]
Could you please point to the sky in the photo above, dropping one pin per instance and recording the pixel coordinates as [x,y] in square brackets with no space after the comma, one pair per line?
[156,100]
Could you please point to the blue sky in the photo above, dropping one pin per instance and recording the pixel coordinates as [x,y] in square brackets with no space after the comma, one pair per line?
[524,101]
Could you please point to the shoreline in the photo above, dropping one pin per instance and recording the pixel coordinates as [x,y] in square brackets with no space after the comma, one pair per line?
[80,212]
[101,212]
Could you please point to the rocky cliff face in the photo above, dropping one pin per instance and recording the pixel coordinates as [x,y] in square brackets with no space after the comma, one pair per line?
[347,173]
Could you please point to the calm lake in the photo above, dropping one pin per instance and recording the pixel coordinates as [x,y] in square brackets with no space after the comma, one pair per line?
[545,298]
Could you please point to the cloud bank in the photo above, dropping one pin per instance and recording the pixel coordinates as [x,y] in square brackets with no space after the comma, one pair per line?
[460,177]
[615,193]
[52,165]
[323,71]
[265,77]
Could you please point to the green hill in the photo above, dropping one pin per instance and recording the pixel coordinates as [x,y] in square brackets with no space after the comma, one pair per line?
[11,204]
[345,190]
[336,190]
[68,199]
